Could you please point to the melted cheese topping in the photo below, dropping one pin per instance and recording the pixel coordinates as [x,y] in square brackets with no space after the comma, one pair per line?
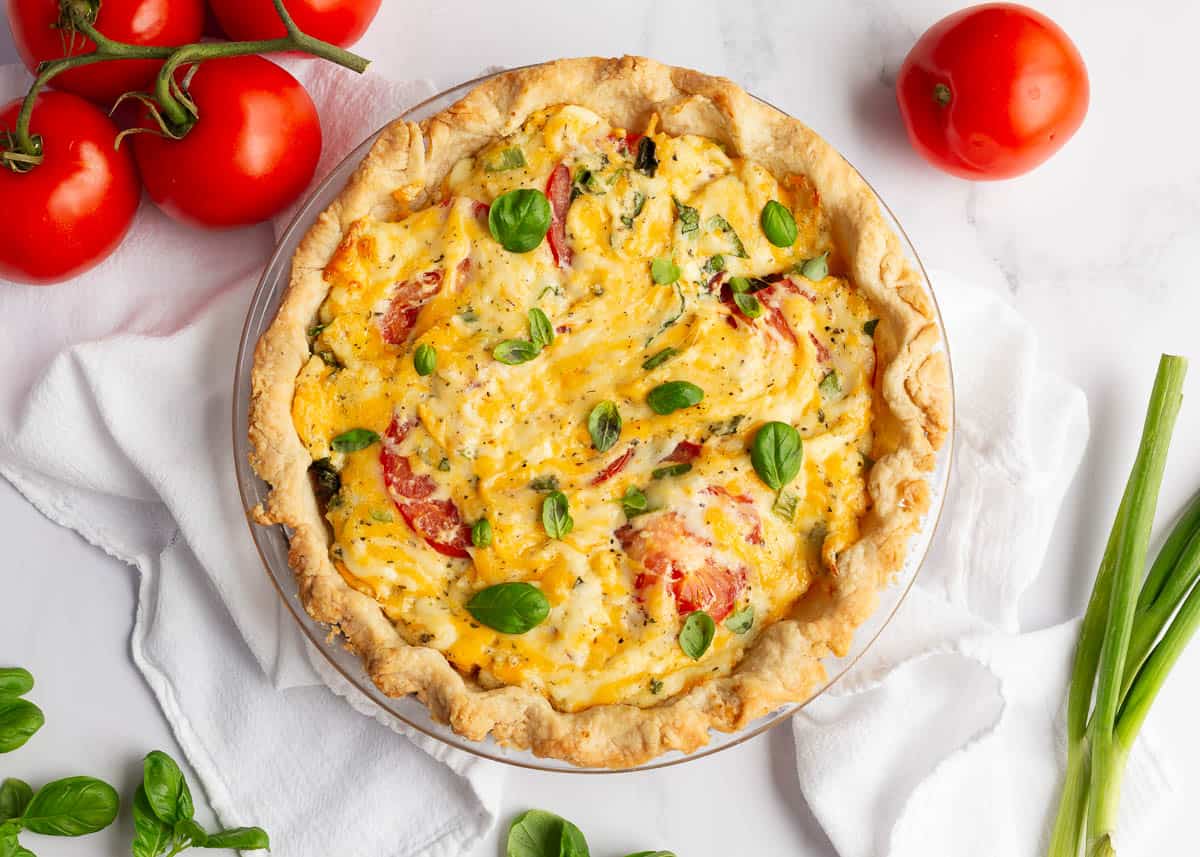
[489,438]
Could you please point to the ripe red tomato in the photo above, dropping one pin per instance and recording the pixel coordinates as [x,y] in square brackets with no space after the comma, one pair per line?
[71,211]
[992,91]
[252,151]
[340,22]
[136,22]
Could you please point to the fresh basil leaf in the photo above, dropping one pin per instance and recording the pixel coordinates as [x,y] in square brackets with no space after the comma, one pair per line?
[353,440]
[604,425]
[748,304]
[166,788]
[653,854]
[664,271]
[510,608]
[544,483]
[739,285]
[645,162]
[728,427]
[830,385]
[714,265]
[697,634]
[541,332]
[481,533]
[656,686]
[19,720]
[315,330]
[23,851]
[9,846]
[425,359]
[511,158]
[516,351]
[869,326]
[778,224]
[151,837]
[15,795]
[15,681]
[659,359]
[326,479]
[689,218]
[74,806]
[776,454]
[785,505]
[639,202]
[556,515]
[239,838]
[741,621]
[634,502]
[677,469]
[520,219]
[673,396]
[538,833]
[586,182]
[717,223]
[191,832]
[815,269]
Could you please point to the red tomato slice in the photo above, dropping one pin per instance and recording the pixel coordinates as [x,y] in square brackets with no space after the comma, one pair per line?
[685,451]
[408,298]
[822,351]
[437,521]
[744,509]
[558,191]
[613,467]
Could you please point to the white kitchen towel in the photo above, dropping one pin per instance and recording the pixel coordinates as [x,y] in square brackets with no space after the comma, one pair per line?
[115,421]
[947,738]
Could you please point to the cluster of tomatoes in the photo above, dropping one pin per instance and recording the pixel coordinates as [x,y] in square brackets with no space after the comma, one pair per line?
[251,151]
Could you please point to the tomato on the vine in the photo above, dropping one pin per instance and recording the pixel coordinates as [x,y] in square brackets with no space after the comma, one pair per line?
[252,150]
[340,22]
[38,37]
[992,91]
[70,211]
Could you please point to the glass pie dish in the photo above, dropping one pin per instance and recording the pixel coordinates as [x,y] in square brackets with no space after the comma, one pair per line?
[272,542]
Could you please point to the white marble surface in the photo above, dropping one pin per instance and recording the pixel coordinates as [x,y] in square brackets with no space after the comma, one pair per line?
[1099,249]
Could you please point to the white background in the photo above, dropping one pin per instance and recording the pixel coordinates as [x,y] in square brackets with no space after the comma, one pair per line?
[1100,249]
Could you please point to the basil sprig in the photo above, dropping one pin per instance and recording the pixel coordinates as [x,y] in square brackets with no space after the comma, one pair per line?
[19,718]
[519,219]
[353,440]
[664,271]
[776,454]
[556,515]
[778,224]
[425,359]
[673,396]
[697,634]
[604,425]
[510,608]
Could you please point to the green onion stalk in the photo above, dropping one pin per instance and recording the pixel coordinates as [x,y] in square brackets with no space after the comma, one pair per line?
[169,103]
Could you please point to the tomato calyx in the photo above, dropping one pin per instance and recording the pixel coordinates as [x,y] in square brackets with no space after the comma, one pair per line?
[942,94]
[14,157]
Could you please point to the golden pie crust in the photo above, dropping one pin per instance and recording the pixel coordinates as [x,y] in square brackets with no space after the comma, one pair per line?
[913,408]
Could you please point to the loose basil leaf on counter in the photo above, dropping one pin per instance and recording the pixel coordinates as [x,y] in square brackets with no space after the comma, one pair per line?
[776,454]
[639,202]
[604,425]
[673,396]
[830,385]
[510,608]
[697,634]
[15,681]
[239,838]
[741,621]
[541,332]
[817,268]
[74,806]
[689,218]
[425,359]
[15,795]
[519,219]
[538,833]
[869,326]
[634,502]
[516,351]
[778,224]
[748,304]
[353,440]
[645,162]
[664,271]
[511,158]
[151,836]
[677,469]
[556,515]
[659,359]
[19,720]
[166,788]
[717,223]
[481,533]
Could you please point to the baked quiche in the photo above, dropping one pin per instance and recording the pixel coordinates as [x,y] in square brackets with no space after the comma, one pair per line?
[599,408]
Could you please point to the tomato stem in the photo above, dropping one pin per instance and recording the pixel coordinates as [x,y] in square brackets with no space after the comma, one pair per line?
[941,94]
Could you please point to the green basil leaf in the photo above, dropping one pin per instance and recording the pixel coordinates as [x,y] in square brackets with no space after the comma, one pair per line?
[74,806]
[689,218]
[697,634]
[830,385]
[673,396]
[586,182]
[166,788]
[659,359]
[19,719]
[353,440]
[538,833]
[425,359]
[639,202]
[520,219]
[315,330]
[634,502]
[15,681]
[677,469]
[15,795]
[481,533]
[511,158]
[728,427]
[240,839]
[776,454]
[9,846]
[191,832]
[717,223]
[664,271]
[778,224]
[748,304]
[653,854]
[714,265]
[383,516]
[544,483]
[645,162]
[510,608]
[556,515]
[541,332]
[516,351]
[785,505]
[151,837]
[739,285]
[815,269]
[604,425]
[869,326]
[326,479]
[741,621]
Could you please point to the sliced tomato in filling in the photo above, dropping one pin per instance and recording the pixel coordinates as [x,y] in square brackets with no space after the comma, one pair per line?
[685,451]
[409,296]
[436,520]
[613,467]
[558,191]
[741,505]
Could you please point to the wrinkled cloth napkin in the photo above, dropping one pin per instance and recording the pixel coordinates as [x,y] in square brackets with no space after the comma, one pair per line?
[948,738]
[115,420]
